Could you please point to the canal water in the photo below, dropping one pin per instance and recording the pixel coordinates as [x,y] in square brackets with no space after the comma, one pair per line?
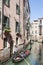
[24,62]
[30,60]
[27,62]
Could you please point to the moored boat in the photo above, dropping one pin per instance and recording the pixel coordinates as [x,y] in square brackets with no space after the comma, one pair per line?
[21,56]
[25,53]
[17,59]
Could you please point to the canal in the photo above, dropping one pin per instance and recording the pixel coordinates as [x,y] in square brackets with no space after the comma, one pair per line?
[24,62]
[32,59]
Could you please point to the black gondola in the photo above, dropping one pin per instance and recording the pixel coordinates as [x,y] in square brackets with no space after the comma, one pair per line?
[25,53]
[21,56]
[17,59]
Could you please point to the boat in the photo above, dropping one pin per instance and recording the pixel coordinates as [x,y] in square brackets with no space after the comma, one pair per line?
[17,59]
[25,53]
[21,56]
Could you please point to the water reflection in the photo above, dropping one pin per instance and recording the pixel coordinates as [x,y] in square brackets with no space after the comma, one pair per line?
[34,61]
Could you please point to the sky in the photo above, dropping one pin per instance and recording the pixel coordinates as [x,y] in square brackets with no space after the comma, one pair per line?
[36,8]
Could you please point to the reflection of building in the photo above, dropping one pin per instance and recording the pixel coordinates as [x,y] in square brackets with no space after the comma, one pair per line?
[37,29]
[13,18]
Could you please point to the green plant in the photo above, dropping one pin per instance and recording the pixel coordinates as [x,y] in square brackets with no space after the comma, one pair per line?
[7,30]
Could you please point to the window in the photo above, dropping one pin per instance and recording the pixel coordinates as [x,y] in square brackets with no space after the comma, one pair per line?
[5,42]
[24,2]
[35,26]
[35,37]
[32,32]
[36,31]
[40,30]
[17,27]
[7,3]
[16,40]
[6,22]
[28,7]
[0,16]
[27,35]
[17,9]
[26,26]
[27,10]
[40,21]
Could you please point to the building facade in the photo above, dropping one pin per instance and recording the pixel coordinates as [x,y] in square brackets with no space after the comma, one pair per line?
[12,24]
[37,29]
[41,28]
[27,21]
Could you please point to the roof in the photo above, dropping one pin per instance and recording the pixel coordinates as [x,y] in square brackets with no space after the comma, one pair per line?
[40,18]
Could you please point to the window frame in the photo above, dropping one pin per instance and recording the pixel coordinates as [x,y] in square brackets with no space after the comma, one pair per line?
[17,25]
[17,9]
[6,22]
[5,42]
[8,4]
[16,40]
[35,31]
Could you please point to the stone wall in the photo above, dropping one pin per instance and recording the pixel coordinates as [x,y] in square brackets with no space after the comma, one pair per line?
[4,54]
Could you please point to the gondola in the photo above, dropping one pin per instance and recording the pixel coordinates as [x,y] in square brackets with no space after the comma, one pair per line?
[21,56]
[17,59]
[25,53]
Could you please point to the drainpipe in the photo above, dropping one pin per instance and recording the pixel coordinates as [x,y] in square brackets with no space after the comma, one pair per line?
[19,14]
[2,16]
[24,24]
